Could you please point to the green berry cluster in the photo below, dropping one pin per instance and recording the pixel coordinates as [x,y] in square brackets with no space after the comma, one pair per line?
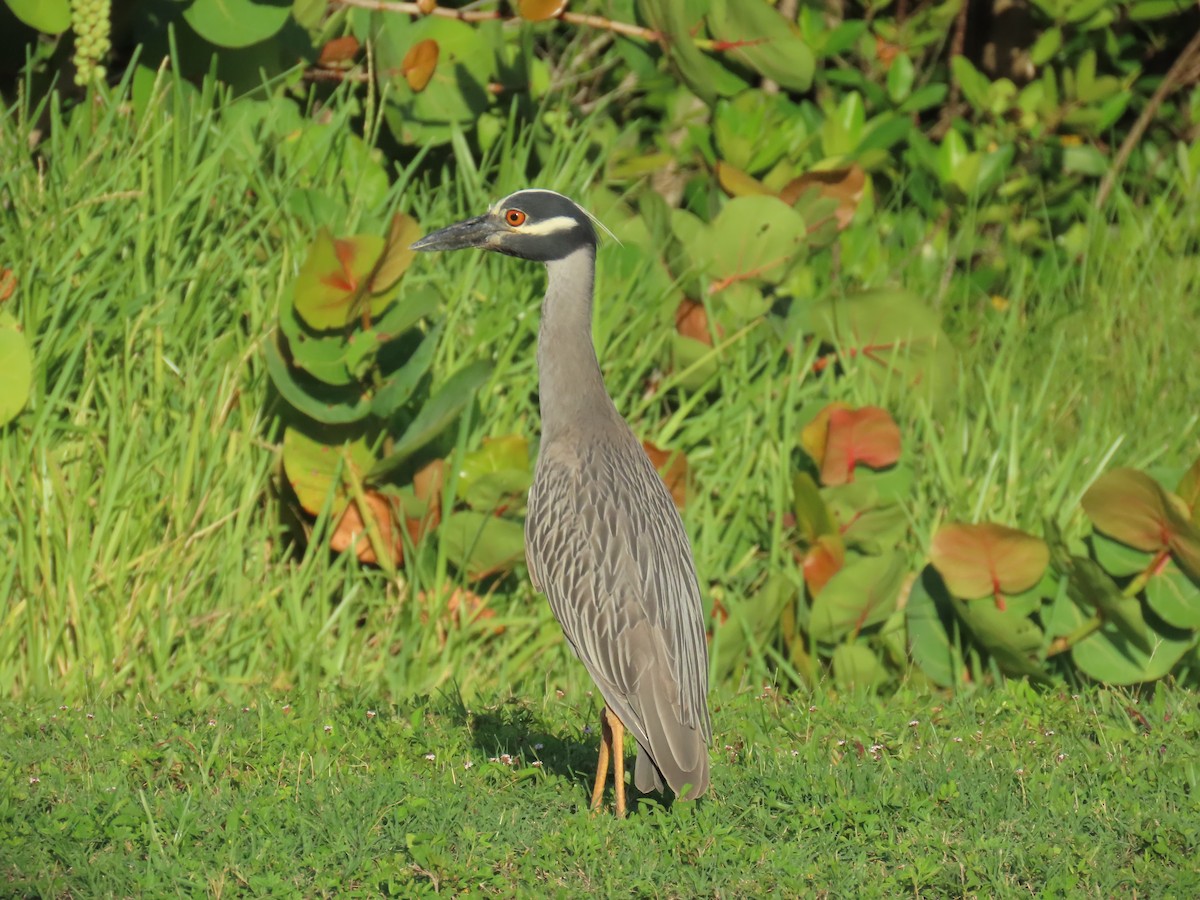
[91,22]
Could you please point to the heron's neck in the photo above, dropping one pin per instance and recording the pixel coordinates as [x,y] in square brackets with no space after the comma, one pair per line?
[570,386]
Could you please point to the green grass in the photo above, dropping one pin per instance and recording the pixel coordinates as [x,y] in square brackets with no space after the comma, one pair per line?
[1005,793]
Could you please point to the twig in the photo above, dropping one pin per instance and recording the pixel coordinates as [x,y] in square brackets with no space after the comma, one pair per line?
[1168,84]
[485,15]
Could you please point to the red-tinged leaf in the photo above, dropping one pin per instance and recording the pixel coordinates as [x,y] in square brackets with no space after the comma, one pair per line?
[815,435]
[868,436]
[691,321]
[673,467]
[988,560]
[333,277]
[1133,508]
[843,186]
[419,64]
[822,561]
[427,488]
[350,530]
[338,50]
[885,52]
[737,183]
[8,284]
[540,10]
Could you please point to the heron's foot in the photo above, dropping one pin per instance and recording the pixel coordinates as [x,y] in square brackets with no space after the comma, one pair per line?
[612,744]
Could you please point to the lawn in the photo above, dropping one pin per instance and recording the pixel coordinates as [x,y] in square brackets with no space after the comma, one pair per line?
[1006,792]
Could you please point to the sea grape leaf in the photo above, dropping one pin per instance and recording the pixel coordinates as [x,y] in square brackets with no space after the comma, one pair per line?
[813,518]
[494,471]
[1111,656]
[823,559]
[419,64]
[482,544]
[890,335]
[857,666]
[350,530]
[988,560]
[929,616]
[1012,639]
[1133,508]
[867,521]
[863,593]
[333,277]
[437,413]
[321,402]
[237,23]
[1090,586]
[16,369]
[312,468]
[1174,597]
[756,35]
[540,10]
[46,16]
[868,436]
[672,467]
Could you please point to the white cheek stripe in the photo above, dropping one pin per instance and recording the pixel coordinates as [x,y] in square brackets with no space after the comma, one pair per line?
[555,225]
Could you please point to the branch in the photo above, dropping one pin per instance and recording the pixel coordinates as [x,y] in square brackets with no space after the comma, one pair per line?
[485,15]
[1168,84]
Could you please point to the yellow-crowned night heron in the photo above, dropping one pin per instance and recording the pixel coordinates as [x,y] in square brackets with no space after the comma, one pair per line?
[603,539]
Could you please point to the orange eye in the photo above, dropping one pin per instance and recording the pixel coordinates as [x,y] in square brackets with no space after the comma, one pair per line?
[514,217]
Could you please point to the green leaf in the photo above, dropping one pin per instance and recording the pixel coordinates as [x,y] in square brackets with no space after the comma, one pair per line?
[812,515]
[237,23]
[1090,586]
[1013,639]
[46,16]
[678,21]
[768,43]
[320,402]
[399,387]
[857,666]
[1119,560]
[929,616]
[1111,657]
[863,593]
[495,471]
[890,336]
[900,78]
[481,544]
[436,414]
[1175,598]
[312,467]
[1046,46]
[456,94]
[16,369]
[752,241]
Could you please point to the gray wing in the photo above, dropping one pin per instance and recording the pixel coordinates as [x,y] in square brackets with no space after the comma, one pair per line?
[606,545]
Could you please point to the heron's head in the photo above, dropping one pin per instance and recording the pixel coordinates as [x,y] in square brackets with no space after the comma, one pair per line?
[532,224]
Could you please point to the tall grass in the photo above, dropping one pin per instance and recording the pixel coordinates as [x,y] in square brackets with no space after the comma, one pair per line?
[147,549]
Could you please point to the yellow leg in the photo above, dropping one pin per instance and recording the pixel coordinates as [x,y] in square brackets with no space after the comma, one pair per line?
[618,754]
[602,763]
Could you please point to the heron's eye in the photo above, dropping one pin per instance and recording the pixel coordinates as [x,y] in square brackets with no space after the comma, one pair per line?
[514,217]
